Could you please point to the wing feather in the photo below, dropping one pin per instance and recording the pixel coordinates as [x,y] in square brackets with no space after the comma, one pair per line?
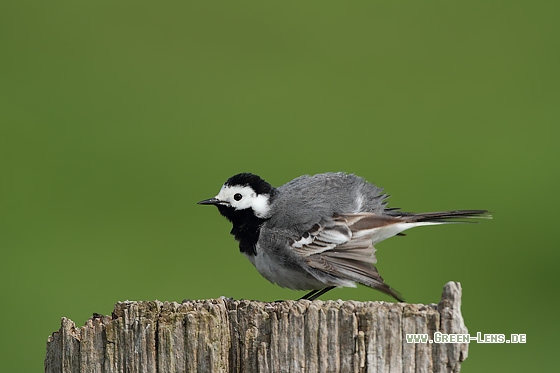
[343,245]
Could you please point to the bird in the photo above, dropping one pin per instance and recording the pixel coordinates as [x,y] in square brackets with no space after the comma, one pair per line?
[317,232]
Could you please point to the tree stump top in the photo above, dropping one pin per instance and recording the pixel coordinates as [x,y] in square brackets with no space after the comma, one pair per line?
[226,335]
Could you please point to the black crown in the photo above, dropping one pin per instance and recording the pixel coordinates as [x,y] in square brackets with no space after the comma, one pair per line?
[255,182]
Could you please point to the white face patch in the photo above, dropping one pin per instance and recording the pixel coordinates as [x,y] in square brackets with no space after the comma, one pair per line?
[244,197]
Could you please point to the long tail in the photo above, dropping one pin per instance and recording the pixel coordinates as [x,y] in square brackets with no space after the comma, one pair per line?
[455,216]
[393,222]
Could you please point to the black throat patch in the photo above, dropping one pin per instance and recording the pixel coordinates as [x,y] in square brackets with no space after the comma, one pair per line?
[246,228]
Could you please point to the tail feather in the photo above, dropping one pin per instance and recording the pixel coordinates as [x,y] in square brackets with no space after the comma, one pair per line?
[444,216]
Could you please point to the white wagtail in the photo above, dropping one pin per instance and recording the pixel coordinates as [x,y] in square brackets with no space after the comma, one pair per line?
[317,232]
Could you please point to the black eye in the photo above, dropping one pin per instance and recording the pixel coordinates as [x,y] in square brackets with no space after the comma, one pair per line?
[237,196]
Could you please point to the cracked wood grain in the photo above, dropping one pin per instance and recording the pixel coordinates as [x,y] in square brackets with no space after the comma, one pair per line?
[224,335]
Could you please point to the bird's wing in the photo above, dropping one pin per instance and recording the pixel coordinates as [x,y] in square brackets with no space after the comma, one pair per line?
[352,236]
[343,247]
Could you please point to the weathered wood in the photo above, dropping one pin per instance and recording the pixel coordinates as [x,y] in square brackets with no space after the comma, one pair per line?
[224,335]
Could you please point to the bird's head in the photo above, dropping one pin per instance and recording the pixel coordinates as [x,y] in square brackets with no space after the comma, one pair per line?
[242,192]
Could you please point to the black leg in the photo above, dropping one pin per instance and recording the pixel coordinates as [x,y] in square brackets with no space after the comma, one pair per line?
[310,294]
[314,294]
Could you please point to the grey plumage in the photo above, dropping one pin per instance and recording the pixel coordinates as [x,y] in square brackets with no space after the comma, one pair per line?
[317,232]
[307,200]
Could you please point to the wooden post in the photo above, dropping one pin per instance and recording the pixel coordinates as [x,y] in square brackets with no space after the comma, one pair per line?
[225,335]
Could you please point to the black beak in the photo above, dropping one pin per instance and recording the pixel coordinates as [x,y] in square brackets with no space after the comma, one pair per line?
[211,201]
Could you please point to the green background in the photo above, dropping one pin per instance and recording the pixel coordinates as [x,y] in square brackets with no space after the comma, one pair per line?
[118,116]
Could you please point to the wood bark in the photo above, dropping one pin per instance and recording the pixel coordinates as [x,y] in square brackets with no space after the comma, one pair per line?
[225,335]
